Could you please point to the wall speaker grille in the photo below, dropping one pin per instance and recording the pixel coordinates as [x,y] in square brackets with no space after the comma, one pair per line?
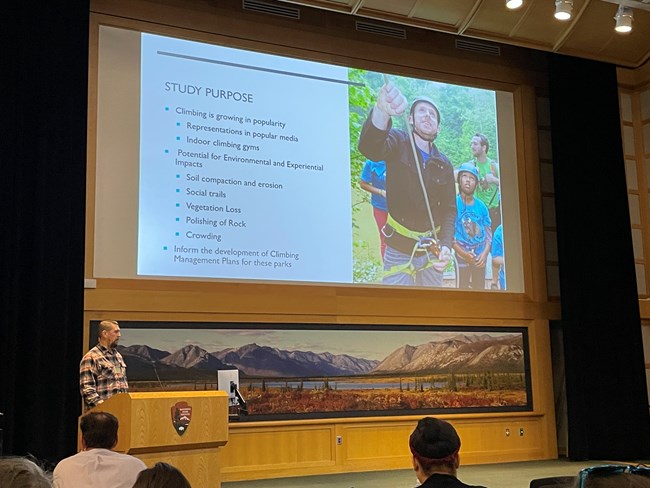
[262,7]
[380,29]
[478,47]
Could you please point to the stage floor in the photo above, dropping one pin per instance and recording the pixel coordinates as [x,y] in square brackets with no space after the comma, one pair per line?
[506,475]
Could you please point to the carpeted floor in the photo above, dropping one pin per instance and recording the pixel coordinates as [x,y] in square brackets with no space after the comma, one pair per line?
[507,475]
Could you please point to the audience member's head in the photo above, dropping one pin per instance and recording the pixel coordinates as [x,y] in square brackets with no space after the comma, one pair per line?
[99,430]
[434,444]
[18,472]
[161,475]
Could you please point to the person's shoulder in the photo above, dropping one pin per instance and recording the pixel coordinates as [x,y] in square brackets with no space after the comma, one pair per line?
[68,463]
[480,203]
[127,458]
[377,167]
[92,353]
[64,462]
[459,484]
[137,462]
[444,480]
[399,135]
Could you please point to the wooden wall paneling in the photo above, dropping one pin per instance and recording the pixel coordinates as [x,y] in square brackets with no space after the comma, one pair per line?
[328,37]
[371,444]
[274,451]
[542,386]
[531,195]
[195,464]
[387,305]
[632,84]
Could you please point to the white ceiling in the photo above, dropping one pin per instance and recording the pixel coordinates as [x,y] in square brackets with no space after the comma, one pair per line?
[588,34]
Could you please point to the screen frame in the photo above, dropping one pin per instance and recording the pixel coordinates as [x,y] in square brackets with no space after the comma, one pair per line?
[521,96]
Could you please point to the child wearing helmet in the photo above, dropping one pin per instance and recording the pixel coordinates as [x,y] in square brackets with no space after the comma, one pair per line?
[473,231]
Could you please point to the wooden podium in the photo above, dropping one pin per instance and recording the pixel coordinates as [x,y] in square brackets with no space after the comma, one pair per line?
[153,427]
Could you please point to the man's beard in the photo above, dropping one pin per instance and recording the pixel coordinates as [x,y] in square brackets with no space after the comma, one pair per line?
[428,138]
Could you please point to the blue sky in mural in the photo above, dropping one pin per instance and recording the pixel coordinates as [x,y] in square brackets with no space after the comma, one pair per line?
[367,344]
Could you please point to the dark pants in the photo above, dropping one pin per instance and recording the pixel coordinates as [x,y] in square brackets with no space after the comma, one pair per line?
[470,276]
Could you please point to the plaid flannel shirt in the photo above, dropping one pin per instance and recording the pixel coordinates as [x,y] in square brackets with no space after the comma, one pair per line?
[102,374]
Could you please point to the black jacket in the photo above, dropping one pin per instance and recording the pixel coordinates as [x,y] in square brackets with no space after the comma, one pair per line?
[439,480]
[404,193]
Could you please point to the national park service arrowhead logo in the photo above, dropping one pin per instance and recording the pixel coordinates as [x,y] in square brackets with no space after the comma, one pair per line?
[181,417]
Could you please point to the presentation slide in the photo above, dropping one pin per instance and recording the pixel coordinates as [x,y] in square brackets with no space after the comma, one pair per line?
[239,165]
[236,179]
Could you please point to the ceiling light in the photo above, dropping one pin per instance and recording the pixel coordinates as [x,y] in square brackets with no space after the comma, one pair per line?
[623,17]
[563,9]
[513,4]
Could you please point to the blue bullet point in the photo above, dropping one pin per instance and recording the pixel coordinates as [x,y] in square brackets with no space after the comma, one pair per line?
[178,124]
[177,234]
[178,176]
[178,138]
[178,190]
[166,109]
[178,204]
[166,151]
[164,248]
[178,219]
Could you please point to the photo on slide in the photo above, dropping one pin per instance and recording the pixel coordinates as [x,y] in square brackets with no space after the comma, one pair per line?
[319,370]
[467,137]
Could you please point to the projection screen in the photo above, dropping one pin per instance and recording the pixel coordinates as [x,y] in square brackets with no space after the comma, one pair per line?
[216,163]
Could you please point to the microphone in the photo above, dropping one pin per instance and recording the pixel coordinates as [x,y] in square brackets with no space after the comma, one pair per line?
[153,365]
[243,408]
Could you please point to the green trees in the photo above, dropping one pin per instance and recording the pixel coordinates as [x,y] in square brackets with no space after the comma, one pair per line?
[464,111]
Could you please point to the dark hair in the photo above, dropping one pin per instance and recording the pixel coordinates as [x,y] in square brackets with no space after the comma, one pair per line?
[19,472]
[161,475]
[484,141]
[434,442]
[99,430]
